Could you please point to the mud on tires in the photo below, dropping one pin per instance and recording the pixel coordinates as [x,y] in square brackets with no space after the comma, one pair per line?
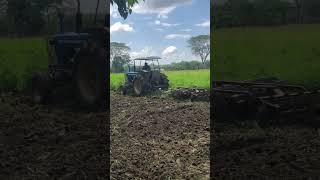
[138,86]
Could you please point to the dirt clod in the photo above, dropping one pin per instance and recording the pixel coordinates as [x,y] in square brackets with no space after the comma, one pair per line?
[193,94]
[246,152]
[159,138]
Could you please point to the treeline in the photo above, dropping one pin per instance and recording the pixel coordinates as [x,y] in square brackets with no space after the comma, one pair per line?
[186,65]
[235,13]
[38,17]
[183,65]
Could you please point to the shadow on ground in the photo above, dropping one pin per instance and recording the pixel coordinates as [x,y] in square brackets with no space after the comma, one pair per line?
[51,142]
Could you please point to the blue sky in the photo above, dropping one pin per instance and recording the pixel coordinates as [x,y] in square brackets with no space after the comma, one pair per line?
[161,28]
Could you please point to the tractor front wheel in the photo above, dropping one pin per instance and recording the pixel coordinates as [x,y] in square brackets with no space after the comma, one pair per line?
[90,80]
[164,81]
[138,86]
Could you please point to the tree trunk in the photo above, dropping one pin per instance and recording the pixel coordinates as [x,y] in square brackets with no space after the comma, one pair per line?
[96,14]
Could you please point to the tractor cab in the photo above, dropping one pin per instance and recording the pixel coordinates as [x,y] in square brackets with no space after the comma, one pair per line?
[143,74]
[144,65]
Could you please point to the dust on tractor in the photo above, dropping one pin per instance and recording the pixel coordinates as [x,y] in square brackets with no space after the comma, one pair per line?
[78,59]
[141,78]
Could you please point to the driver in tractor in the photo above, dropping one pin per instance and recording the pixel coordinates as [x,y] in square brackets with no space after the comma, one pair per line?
[146,67]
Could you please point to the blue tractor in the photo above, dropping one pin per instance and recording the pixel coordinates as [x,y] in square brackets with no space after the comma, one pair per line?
[144,75]
[79,59]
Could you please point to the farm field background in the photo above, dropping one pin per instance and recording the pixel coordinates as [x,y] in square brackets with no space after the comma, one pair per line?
[291,53]
[187,78]
[19,59]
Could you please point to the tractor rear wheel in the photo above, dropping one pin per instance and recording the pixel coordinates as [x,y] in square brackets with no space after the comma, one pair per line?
[90,80]
[40,88]
[138,86]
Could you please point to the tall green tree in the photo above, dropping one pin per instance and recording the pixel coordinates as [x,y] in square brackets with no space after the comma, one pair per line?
[200,46]
[26,15]
[119,62]
[119,55]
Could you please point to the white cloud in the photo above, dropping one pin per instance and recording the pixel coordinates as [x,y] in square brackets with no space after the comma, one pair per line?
[175,36]
[146,51]
[169,51]
[186,30]
[159,29]
[158,22]
[204,24]
[118,27]
[162,8]
[163,16]
[169,25]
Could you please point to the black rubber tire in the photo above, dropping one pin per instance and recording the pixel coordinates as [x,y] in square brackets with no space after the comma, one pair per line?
[138,86]
[40,90]
[90,81]
[164,81]
[125,89]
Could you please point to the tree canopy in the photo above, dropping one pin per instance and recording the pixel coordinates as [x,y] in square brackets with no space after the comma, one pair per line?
[200,46]
[235,13]
[26,15]
[124,6]
[119,56]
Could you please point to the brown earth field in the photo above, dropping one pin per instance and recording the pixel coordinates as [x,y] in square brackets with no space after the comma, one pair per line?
[51,142]
[158,137]
[246,151]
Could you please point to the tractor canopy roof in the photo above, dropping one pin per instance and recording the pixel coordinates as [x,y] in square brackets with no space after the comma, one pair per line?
[150,58]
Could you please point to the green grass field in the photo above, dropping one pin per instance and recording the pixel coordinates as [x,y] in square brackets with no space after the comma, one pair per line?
[197,78]
[19,59]
[289,52]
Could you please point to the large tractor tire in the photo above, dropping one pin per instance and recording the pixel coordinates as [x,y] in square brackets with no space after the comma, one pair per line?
[138,86]
[164,81]
[90,81]
[125,89]
[41,85]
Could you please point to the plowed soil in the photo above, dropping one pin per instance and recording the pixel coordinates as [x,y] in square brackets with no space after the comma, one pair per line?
[159,138]
[248,152]
[50,142]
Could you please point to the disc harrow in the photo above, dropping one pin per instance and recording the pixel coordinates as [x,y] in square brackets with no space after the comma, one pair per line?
[263,101]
